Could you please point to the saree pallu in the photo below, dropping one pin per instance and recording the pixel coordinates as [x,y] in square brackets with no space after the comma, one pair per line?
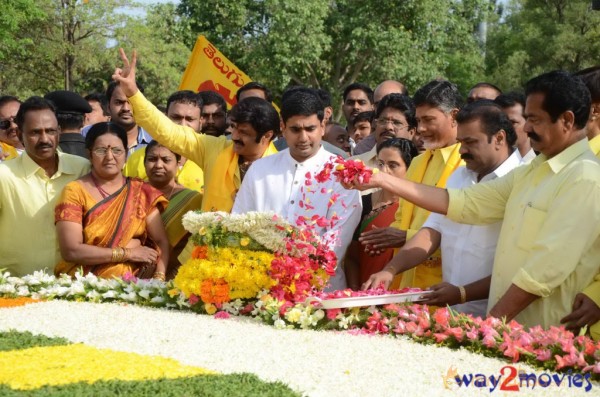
[373,264]
[110,223]
[181,202]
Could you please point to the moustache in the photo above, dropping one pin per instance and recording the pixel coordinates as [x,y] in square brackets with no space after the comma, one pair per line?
[238,142]
[534,136]
[44,146]
[466,156]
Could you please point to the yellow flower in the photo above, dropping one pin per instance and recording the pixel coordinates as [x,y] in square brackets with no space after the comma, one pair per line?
[244,241]
[339,167]
[173,292]
[32,368]
[210,308]
[202,231]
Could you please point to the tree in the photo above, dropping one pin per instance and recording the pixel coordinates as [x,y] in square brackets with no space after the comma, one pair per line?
[163,55]
[335,43]
[541,35]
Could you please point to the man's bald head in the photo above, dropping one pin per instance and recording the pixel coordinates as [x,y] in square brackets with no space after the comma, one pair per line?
[388,87]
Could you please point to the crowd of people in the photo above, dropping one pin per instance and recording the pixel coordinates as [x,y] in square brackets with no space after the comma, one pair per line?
[493,206]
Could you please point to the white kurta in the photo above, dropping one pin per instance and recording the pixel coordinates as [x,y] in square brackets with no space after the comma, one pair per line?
[467,250]
[279,183]
[530,155]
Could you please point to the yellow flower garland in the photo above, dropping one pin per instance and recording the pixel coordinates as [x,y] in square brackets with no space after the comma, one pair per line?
[246,272]
[33,368]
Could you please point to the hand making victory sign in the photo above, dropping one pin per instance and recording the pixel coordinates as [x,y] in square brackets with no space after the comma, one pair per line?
[125,76]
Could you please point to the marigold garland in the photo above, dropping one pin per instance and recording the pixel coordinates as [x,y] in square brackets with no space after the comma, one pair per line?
[13,302]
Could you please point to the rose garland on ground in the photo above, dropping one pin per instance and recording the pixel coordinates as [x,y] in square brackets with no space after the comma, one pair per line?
[555,349]
[238,255]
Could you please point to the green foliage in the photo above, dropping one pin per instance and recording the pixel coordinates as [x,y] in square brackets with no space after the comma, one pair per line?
[541,35]
[331,44]
[15,340]
[231,385]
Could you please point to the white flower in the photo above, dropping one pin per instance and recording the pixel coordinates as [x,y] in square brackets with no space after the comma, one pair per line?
[131,296]
[23,291]
[144,293]
[77,288]
[157,299]
[93,295]
[279,324]
[7,289]
[109,295]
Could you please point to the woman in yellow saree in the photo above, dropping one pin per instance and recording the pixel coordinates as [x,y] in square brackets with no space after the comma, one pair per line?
[161,166]
[107,224]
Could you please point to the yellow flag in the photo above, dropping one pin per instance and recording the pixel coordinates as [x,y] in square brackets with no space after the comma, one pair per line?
[209,70]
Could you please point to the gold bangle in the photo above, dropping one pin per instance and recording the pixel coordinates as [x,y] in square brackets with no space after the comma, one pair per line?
[159,276]
[463,294]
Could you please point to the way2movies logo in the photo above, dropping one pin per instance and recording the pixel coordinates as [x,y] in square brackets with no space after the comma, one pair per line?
[512,379]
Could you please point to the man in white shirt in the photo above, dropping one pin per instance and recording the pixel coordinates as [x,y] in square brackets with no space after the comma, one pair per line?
[487,138]
[284,182]
[513,105]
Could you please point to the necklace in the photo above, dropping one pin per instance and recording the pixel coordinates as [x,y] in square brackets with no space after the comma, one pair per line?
[102,192]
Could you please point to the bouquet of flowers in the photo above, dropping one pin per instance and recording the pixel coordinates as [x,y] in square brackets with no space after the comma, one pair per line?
[346,171]
[239,256]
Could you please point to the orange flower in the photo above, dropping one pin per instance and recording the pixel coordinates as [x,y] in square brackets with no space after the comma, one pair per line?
[214,291]
[200,252]
[13,302]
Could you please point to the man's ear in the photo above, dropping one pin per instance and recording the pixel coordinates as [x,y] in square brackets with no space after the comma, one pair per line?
[268,136]
[568,119]
[453,114]
[500,138]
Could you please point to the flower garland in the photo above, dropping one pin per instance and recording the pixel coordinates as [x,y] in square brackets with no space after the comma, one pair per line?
[238,255]
[555,348]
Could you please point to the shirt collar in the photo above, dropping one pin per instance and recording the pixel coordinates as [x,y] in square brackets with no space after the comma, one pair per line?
[595,144]
[562,159]
[143,136]
[445,151]
[31,167]
[513,161]
[318,158]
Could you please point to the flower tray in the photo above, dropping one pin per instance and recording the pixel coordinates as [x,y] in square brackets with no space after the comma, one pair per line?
[371,300]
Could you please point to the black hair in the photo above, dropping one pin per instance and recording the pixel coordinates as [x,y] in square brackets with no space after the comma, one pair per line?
[32,104]
[358,86]
[325,97]
[4,99]
[491,117]
[213,98]
[301,101]
[253,85]
[440,94]
[259,113]
[408,150]
[364,116]
[510,99]
[485,85]
[101,99]
[591,79]
[105,127]
[562,92]
[70,121]
[113,84]
[185,96]
[399,102]
[154,144]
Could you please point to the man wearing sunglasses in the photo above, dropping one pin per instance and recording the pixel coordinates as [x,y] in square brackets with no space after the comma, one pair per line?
[10,146]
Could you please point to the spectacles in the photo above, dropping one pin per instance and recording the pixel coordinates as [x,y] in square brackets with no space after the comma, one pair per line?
[103,151]
[398,125]
[5,124]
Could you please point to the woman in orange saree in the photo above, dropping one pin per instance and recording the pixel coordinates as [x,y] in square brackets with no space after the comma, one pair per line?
[109,225]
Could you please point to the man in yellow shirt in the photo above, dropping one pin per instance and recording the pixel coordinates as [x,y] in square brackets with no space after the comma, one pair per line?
[10,146]
[224,162]
[29,188]
[437,104]
[549,244]
[183,108]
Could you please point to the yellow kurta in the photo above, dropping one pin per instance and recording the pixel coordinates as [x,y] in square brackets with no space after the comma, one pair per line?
[433,167]
[213,154]
[27,200]
[190,175]
[549,244]
[593,290]
[10,150]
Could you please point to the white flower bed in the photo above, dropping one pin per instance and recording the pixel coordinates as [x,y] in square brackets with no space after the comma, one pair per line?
[312,362]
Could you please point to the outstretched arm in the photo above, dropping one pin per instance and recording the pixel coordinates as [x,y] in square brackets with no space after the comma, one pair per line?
[428,197]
